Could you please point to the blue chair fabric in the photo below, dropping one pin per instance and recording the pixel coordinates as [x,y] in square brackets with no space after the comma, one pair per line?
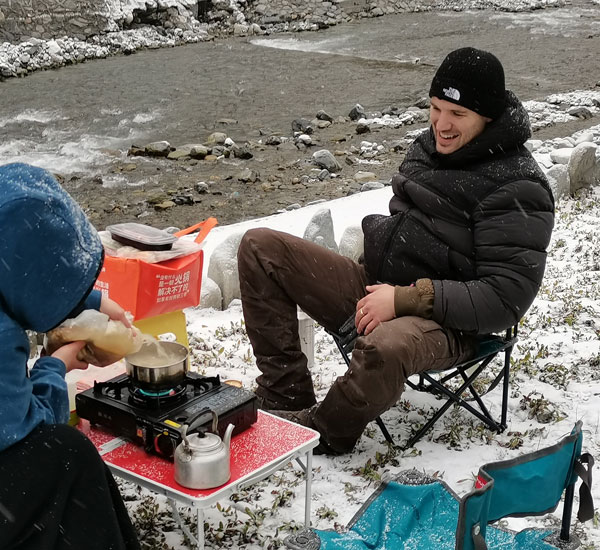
[422,513]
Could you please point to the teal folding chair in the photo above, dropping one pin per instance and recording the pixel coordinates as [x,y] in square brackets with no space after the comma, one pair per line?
[415,512]
[526,486]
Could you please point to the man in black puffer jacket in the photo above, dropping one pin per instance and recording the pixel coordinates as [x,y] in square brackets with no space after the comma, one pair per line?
[461,255]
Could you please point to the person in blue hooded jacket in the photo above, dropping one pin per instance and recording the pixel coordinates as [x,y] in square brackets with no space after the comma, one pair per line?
[55,490]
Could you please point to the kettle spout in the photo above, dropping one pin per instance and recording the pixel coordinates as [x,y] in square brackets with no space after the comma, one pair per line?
[227,437]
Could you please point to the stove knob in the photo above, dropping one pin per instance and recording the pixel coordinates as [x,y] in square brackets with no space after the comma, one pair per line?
[164,444]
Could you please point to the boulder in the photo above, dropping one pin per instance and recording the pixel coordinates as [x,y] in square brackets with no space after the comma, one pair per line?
[322,115]
[158,149]
[248,175]
[216,138]
[582,164]
[584,136]
[561,156]
[223,268]
[580,112]
[357,112]
[320,230]
[179,153]
[303,126]
[352,242]
[533,144]
[210,295]
[198,151]
[363,177]
[558,178]
[325,159]
[362,128]
[305,139]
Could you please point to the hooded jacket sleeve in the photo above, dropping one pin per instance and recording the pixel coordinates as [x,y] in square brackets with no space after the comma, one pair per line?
[512,229]
[26,401]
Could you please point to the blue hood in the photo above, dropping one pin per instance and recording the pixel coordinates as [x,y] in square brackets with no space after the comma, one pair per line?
[50,254]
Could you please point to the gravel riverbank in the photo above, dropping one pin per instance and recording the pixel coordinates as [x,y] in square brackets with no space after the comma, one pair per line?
[243,116]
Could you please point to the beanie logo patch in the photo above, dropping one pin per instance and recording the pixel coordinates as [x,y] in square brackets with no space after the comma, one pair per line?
[452,93]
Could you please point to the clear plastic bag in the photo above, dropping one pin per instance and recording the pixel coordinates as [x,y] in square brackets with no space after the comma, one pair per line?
[107,341]
[181,247]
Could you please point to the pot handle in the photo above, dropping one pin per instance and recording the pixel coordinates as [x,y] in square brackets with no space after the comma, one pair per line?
[200,418]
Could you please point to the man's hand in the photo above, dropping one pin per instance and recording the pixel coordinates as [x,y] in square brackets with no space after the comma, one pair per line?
[114,310]
[375,308]
[68,355]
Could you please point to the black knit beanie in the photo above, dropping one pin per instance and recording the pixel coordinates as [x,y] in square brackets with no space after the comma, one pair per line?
[473,79]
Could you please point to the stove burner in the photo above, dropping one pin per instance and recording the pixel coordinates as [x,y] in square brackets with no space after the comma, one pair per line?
[153,394]
[155,399]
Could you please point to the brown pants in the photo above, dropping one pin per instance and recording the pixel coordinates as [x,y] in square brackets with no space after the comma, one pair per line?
[279,272]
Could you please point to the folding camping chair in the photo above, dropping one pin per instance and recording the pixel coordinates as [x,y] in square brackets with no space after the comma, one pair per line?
[439,382]
[417,511]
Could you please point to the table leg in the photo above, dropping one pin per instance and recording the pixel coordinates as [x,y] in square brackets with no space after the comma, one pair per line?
[308,495]
[200,523]
[197,541]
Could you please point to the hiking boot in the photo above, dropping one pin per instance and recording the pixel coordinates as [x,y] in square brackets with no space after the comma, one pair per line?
[304,418]
[270,405]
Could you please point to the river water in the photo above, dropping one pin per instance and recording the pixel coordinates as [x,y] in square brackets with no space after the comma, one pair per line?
[77,118]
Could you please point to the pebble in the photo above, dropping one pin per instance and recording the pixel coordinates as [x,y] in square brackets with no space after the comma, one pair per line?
[325,159]
[304,138]
[357,112]
[361,176]
[362,128]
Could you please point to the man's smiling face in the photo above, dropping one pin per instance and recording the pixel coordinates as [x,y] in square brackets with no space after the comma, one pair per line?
[453,125]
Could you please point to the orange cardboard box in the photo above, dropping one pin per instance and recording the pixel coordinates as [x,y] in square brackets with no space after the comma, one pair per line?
[146,289]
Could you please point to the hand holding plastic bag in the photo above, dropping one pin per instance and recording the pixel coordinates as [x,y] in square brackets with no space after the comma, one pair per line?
[107,340]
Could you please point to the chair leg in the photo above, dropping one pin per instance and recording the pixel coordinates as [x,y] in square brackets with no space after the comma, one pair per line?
[455,398]
[384,430]
[452,397]
[565,529]
[428,425]
[505,385]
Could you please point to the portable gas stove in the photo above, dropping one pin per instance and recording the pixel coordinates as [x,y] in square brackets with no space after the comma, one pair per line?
[155,419]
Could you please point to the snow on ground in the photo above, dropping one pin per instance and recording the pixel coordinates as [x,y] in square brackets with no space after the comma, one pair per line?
[555,382]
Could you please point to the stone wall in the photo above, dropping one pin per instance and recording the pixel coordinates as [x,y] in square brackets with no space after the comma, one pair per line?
[272,11]
[24,19]
[245,16]
[47,19]
[51,18]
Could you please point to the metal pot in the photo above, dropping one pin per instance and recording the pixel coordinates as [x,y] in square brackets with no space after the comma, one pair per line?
[159,366]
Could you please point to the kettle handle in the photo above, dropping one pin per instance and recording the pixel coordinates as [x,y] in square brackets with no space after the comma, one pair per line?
[199,419]
[186,441]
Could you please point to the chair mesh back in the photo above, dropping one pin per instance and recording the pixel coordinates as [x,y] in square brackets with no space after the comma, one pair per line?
[528,485]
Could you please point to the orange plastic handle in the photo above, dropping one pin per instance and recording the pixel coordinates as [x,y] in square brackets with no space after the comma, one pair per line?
[204,226]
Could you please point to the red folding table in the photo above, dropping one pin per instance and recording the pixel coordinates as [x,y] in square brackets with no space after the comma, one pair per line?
[256,453]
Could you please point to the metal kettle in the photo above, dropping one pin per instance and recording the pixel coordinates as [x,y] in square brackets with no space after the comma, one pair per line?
[202,460]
